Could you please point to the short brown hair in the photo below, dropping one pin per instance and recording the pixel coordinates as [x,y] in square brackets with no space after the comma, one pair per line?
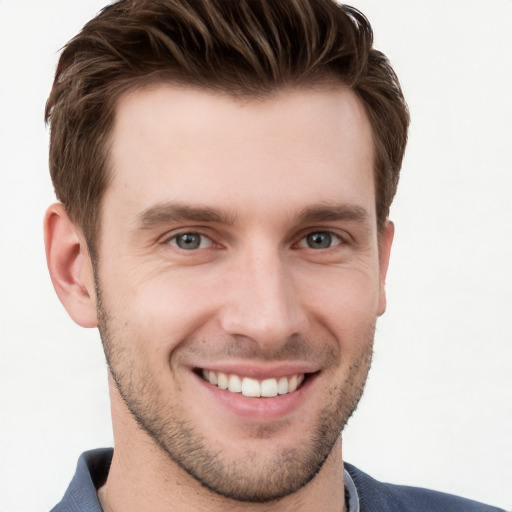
[240,47]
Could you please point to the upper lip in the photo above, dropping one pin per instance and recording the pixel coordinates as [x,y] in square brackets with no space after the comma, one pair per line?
[260,371]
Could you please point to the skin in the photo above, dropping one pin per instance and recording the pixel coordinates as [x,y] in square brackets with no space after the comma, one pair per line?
[257,297]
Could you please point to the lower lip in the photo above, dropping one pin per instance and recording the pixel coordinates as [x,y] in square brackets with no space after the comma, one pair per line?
[260,409]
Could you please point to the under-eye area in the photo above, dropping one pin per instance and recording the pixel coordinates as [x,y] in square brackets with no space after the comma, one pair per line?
[254,388]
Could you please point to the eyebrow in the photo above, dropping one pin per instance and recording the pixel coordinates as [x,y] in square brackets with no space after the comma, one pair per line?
[166,213]
[171,212]
[328,212]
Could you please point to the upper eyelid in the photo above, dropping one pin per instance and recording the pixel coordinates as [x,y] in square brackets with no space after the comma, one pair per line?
[176,235]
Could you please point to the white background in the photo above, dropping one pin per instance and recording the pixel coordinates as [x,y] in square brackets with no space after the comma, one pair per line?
[438,407]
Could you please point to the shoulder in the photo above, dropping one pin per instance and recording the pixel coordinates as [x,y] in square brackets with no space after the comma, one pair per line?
[375,496]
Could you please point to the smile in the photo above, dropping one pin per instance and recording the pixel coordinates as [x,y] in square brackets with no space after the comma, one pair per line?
[252,387]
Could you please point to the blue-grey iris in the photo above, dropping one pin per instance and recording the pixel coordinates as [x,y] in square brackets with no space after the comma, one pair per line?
[188,241]
[319,240]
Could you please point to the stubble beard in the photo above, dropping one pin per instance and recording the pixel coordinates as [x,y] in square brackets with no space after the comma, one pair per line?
[249,478]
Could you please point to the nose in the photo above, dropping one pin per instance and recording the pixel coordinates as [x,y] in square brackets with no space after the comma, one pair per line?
[262,302]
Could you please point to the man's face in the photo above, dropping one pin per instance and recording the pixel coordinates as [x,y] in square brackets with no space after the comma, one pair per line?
[239,246]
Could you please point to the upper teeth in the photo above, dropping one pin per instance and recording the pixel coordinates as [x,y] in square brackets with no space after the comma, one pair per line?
[253,387]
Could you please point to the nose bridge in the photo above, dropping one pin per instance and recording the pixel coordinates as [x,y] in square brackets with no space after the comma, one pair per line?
[263,304]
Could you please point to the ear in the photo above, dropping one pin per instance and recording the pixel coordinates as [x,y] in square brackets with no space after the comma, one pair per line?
[385,242]
[70,266]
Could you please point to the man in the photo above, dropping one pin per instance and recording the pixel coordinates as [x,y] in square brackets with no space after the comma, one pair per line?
[225,172]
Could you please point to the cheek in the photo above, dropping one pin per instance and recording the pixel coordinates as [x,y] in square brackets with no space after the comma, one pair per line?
[345,298]
[161,311]
[345,309]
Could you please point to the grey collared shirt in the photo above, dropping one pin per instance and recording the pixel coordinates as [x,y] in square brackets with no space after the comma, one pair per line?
[351,496]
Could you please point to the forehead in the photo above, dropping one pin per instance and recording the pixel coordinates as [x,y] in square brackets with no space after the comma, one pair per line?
[179,144]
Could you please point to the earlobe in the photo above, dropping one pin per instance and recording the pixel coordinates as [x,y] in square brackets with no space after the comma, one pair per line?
[385,242]
[70,266]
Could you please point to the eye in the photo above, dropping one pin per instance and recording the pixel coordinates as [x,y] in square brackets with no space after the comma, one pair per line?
[320,240]
[190,241]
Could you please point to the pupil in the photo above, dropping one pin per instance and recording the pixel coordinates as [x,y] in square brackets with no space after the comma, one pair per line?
[319,240]
[189,241]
